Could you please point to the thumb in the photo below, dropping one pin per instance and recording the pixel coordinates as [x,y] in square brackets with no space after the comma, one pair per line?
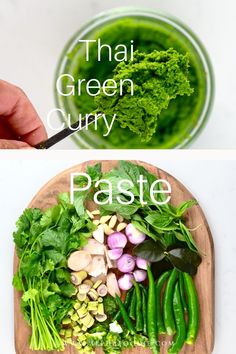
[13,144]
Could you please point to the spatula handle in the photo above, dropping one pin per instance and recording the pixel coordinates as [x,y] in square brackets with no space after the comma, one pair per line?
[75,127]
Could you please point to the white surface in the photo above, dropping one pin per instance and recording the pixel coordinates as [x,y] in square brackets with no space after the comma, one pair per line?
[33,34]
[212,182]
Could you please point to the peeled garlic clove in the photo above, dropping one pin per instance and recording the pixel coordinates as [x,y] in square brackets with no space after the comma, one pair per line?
[105,219]
[95,212]
[112,221]
[120,218]
[98,234]
[108,231]
[121,226]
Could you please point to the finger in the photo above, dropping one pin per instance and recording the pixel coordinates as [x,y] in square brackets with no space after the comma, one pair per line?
[5,130]
[13,144]
[19,114]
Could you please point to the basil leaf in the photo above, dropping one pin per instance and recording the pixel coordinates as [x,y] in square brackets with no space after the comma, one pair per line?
[144,228]
[153,251]
[168,239]
[179,236]
[161,222]
[188,237]
[184,206]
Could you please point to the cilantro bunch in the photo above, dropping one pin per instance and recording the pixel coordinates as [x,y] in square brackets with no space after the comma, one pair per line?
[43,241]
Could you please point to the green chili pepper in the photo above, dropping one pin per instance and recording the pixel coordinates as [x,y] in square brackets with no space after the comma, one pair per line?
[151,314]
[125,316]
[193,309]
[143,289]
[126,304]
[182,291]
[139,315]
[132,310]
[159,285]
[168,303]
[128,298]
[180,336]
[144,311]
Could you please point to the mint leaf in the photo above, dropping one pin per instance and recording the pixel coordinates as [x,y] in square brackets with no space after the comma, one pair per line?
[79,199]
[124,210]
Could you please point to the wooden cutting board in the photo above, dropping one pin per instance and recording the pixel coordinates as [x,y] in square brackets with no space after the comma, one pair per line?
[204,280]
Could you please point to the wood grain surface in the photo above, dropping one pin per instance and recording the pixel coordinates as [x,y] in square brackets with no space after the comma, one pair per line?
[204,280]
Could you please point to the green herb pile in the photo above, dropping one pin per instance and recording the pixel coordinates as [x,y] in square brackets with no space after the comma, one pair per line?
[43,242]
[158,78]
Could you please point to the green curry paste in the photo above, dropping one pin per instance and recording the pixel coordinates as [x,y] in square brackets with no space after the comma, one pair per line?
[174,123]
[157,78]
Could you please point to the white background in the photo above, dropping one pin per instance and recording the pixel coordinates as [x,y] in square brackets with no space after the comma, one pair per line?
[206,175]
[34,32]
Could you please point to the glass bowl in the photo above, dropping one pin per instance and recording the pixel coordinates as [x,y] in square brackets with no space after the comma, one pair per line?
[185,117]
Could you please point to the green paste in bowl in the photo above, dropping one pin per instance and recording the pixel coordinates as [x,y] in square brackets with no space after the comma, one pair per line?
[185,115]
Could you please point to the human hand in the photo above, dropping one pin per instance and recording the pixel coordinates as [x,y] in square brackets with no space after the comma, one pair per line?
[20,125]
